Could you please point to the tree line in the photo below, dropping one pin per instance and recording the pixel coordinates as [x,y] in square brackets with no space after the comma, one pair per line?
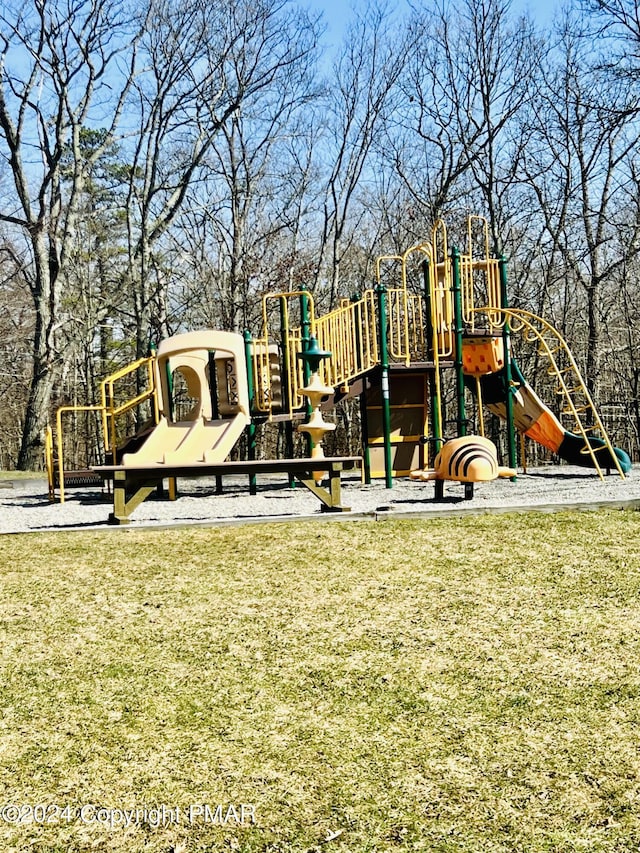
[162,172]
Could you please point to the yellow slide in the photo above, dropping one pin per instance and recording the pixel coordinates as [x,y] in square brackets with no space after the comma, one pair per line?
[199,438]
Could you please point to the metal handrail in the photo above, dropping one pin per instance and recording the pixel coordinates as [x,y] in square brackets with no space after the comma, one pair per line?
[59,441]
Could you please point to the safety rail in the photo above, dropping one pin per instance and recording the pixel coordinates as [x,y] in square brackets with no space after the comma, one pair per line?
[63,410]
[49,462]
[266,372]
[108,409]
[273,389]
[406,325]
[350,334]
[480,285]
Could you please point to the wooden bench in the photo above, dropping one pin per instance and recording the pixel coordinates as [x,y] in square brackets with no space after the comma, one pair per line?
[131,486]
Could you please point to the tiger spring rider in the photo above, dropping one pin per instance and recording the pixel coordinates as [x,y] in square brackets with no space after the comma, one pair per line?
[469,459]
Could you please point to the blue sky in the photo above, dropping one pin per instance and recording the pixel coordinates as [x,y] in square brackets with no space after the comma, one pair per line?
[336,12]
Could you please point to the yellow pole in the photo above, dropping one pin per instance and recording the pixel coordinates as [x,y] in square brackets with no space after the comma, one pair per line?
[480,412]
[60,460]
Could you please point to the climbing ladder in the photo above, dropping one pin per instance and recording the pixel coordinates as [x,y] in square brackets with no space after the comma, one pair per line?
[578,413]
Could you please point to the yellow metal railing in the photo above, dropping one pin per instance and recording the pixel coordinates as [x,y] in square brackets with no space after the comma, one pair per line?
[350,334]
[109,410]
[49,462]
[406,325]
[350,331]
[64,410]
[441,295]
[266,369]
[480,278]
[269,384]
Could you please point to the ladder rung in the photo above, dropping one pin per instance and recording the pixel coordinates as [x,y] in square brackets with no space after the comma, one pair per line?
[595,449]
[576,410]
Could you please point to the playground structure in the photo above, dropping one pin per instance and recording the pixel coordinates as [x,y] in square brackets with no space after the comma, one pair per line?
[433,311]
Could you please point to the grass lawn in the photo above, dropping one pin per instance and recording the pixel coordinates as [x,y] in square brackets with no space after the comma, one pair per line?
[23,475]
[439,685]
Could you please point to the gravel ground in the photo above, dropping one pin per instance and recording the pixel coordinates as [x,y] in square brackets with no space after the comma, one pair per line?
[26,508]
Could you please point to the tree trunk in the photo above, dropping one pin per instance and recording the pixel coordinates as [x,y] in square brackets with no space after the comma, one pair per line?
[30,457]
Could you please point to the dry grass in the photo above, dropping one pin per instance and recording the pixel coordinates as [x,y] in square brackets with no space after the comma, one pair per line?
[23,475]
[442,685]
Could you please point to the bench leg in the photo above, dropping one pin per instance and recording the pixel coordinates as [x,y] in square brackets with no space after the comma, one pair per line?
[122,508]
[331,498]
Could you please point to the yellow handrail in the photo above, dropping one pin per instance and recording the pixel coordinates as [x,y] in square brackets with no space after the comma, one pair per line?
[60,445]
[349,333]
[442,292]
[292,341]
[107,395]
[108,410]
[49,463]
[473,263]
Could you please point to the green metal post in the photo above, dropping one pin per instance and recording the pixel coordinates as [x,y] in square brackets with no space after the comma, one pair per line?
[458,330]
[384,384]
[364,422]
[251,427]
[305,327]
[364,432]
[506,338]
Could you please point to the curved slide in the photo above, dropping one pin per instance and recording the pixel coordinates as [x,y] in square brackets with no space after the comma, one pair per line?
[202,438]
[188,443]
[535,420]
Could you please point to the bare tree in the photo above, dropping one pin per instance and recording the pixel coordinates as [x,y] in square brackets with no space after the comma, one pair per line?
[202,71]
[451,140]
[360,95]
[16,327]
[162,86]
[57,61]
[261,166]
[579,164]
[246,229]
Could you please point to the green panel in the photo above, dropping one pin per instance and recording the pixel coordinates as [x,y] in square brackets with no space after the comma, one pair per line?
[403,422]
